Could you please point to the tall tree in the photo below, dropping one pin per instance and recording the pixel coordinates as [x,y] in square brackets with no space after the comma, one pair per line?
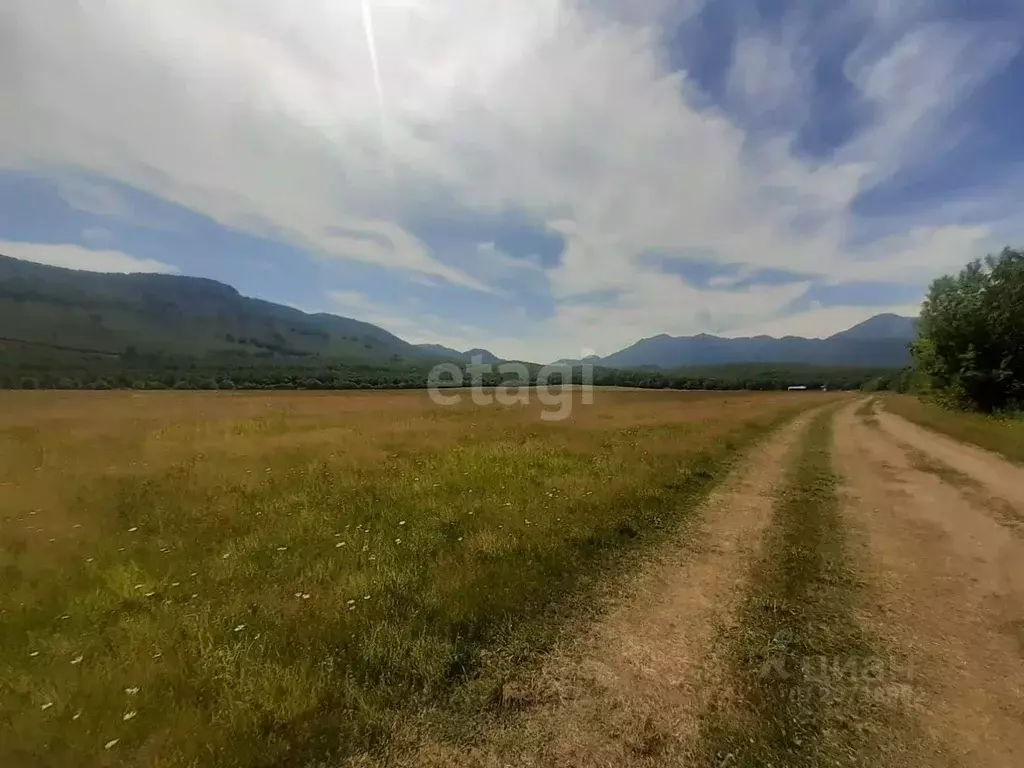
[971,344]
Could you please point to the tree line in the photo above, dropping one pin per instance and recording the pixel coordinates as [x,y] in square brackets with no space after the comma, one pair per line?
[27,366]
[970,349]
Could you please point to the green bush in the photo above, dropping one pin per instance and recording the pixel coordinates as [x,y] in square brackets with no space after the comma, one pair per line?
[970,352]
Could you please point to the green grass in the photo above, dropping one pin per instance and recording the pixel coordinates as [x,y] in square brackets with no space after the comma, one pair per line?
[1001,434]
[266,580]
[806,677]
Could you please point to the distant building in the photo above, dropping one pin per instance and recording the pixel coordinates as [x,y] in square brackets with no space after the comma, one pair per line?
[797,389]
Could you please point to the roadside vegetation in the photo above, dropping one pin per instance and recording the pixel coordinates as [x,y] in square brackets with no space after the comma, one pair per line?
[1003,434]
[247,580]
[806,682]
[969,353]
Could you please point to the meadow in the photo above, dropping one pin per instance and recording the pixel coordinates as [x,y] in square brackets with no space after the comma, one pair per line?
[234,579]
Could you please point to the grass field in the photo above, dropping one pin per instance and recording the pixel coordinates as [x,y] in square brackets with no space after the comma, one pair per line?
[252,580]
[1003,435]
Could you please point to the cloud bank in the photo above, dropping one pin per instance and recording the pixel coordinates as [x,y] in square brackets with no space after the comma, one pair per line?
[338,128]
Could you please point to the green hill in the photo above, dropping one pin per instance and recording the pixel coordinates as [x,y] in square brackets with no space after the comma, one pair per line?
[173,315]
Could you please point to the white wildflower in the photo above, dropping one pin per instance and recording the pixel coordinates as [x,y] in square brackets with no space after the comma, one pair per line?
[129,715]
[111,744]
[46,706]
[240,627]
[34,654]
[77,660]
[402,522]
[131,691]
[133,530]
[76,715]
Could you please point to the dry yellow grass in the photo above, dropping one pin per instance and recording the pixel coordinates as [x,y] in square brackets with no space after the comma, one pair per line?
[1002,434]
[230,579]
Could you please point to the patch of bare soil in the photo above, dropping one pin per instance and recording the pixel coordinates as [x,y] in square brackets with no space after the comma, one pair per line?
[630,690]
[947,582]
[1002,480]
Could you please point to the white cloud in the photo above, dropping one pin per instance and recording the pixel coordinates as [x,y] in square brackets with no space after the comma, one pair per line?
[915,77]
[93,198]
[97,235]
[76,257]
[410,323]
[767,79]
[266,116]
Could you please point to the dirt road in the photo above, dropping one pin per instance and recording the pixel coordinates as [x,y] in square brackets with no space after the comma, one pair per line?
[944,561]
[934,534]
[630,691]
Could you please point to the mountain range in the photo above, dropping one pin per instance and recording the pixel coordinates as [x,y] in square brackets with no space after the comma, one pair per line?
[879,341]
[154,313]
[470,355]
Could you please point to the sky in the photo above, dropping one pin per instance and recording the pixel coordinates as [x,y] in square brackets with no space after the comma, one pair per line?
[544,179]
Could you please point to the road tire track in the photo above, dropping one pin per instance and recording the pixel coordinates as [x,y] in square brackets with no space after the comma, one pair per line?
[631,690]
[947,579]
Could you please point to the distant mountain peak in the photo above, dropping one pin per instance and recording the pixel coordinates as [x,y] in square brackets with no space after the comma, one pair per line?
[487,357]
[878,341]
[883,326]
